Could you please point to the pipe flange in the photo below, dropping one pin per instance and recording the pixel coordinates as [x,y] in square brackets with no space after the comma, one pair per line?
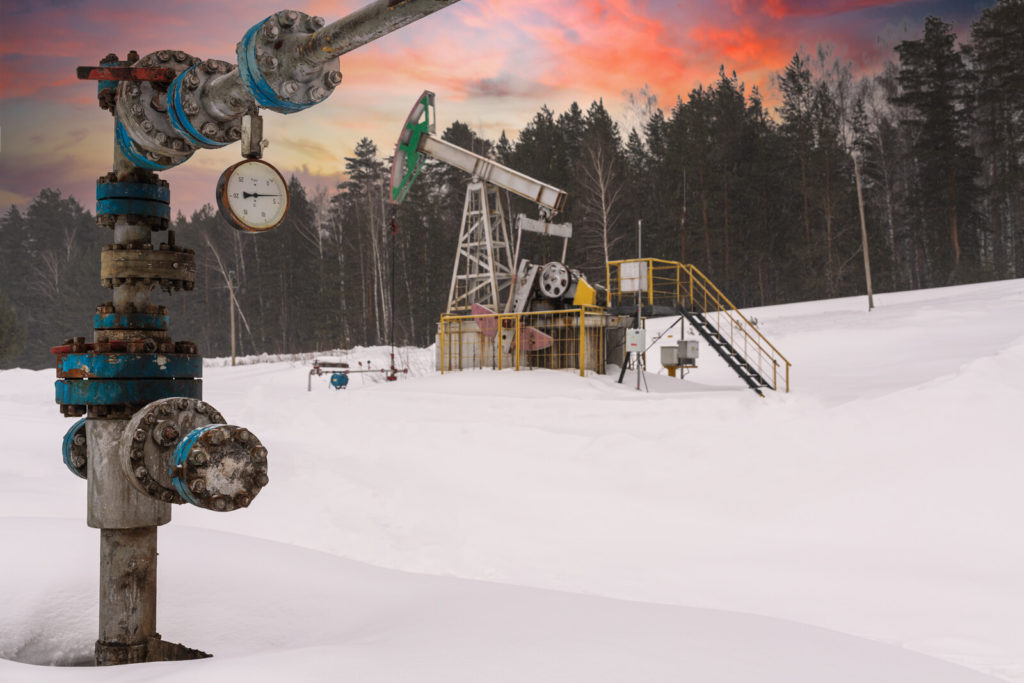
[273,70]
[171,268]
[220,467]
[148,442]
[196,111]
[137,184]
[73,449]
[144,132]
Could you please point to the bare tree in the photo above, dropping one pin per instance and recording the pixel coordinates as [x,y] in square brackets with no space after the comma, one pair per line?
[602,195]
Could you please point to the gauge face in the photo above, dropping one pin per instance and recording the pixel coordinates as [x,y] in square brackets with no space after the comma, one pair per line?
[253,196]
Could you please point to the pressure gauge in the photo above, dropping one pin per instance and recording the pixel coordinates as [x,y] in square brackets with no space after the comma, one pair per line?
[252,196]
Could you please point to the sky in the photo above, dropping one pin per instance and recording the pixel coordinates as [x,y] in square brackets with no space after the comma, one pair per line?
[492,64]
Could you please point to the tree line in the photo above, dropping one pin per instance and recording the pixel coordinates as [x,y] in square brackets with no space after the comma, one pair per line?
[762,199]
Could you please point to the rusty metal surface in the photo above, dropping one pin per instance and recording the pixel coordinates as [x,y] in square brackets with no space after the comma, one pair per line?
[129,365]
[148,442]
[130,175]
[220,467]
[124,73]
[272,69]
[142,110]
[171,267]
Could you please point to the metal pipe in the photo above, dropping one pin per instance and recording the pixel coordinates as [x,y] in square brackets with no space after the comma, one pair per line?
[373,21]
[127,595]
[112,501]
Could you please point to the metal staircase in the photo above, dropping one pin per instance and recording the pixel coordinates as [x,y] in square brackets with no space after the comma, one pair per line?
[732,357]
[670,287]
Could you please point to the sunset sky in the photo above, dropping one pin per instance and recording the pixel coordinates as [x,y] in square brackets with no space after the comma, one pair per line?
[492,63]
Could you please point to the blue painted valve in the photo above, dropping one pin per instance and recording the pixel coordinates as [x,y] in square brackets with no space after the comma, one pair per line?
[339,380]
[74,449]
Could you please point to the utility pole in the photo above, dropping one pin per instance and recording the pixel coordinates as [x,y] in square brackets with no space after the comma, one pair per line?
[863,232]
[640,306]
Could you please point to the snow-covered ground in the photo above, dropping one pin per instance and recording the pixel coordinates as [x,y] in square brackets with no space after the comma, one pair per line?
[502,526]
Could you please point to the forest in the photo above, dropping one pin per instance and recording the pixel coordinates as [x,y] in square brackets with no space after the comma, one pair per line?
[763,199]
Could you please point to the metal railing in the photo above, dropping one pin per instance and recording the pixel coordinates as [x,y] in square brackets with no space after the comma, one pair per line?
[571,339]
[674,284]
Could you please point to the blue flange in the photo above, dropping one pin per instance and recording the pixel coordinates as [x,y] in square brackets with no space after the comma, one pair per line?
[129,321]
[113,392]
[155,193]
[179,119]
[138,207]
[252,77]
[131,151]
[129,366]
[181,453]
[69,437]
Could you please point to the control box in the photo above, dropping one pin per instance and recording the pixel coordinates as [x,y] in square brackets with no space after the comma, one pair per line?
[636,340]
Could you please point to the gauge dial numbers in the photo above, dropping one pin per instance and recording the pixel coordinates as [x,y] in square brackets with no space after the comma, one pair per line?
[252,196]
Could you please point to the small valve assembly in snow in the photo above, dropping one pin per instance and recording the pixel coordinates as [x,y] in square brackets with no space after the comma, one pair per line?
[146,440]
[340,371]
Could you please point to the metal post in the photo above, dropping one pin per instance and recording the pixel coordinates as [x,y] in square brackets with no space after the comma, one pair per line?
[863,234]
[639,296]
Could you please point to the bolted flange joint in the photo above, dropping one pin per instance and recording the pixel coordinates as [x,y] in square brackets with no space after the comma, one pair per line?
[272,67]
[74,449]
[144,132]
[219,467]
[138,196]
[146,448]
[206,102]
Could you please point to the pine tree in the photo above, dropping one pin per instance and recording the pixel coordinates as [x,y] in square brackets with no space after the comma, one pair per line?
[935,92]
[998,51]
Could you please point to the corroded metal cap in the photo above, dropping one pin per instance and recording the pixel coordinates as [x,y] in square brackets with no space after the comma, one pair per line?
[220,467]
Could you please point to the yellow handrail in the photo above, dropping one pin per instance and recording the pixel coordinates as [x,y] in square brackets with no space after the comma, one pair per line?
[686,284]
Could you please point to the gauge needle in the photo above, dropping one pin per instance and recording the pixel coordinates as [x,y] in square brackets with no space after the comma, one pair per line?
[246,195]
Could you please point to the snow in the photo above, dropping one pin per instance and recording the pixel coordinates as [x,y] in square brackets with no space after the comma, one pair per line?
[537,525]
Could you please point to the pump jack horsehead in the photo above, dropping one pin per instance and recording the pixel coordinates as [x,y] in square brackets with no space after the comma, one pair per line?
[490,271]
[146,439]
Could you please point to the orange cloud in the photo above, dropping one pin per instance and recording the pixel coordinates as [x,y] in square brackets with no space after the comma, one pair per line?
[743,48]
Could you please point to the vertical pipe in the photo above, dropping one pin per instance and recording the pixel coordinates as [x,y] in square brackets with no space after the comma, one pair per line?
[113,503]
[127,519]
[127,595]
